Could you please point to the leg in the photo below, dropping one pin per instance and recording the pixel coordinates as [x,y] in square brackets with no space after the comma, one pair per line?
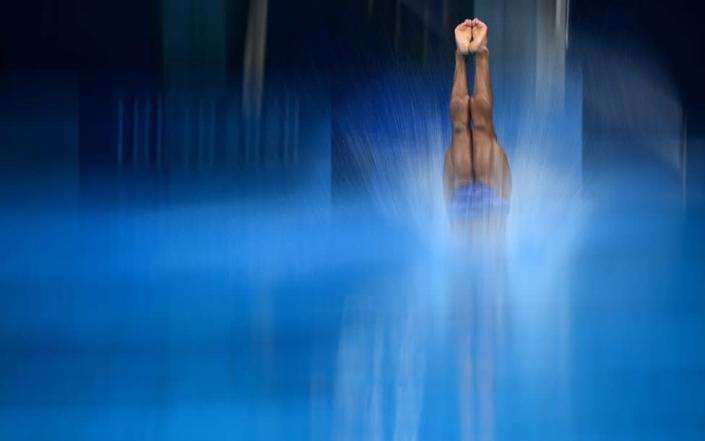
[489,160]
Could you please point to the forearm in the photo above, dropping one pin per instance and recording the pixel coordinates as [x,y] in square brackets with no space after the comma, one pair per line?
[460,77]
[482,86]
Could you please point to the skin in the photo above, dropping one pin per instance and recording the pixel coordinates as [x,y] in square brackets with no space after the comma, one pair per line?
[474,154]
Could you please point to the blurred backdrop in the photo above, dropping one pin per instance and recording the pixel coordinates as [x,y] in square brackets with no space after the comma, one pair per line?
[176,89]
[223,219]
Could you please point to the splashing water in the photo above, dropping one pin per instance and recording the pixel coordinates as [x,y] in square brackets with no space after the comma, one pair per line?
[451,308]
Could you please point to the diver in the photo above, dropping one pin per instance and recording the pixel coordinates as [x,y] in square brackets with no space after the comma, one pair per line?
[476,175]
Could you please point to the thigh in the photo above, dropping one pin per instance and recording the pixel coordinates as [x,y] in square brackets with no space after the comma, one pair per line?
[490,165]
[489,161]
[460,157]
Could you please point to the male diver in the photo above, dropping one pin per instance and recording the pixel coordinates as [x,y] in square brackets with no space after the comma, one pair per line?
[477,180]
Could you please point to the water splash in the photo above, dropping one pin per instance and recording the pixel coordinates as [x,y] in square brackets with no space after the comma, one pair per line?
[451,304]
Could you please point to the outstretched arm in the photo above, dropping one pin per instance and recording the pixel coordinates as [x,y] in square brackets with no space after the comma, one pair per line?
[460,77]
[458,157]
[463,37]
[482,87]
[459,112]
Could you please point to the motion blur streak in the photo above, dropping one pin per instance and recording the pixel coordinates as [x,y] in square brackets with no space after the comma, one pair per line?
[223,219]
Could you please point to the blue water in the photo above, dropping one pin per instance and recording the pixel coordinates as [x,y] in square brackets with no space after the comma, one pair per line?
[292,318]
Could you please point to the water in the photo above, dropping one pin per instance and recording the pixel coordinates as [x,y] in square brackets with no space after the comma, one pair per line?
[289,319]
[186,303]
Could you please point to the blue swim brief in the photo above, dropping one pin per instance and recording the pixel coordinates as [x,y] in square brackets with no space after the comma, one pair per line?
[476,199]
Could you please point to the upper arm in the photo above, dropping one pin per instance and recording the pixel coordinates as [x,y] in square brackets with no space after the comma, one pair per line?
[506,175]
[459,110]
[448,176]
[481,111]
